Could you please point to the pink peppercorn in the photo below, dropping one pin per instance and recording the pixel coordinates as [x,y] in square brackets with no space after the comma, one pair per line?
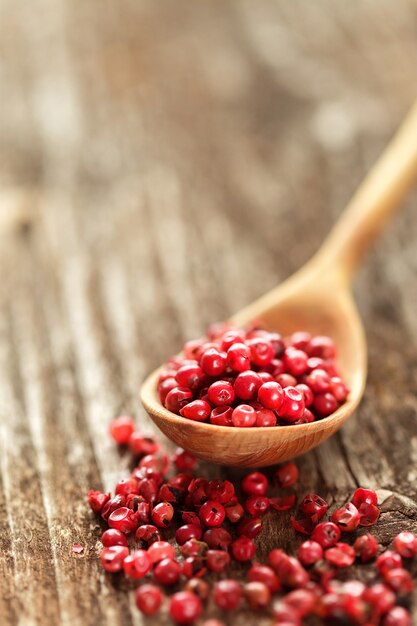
[405,544]
[148,599]
[227,594]
[121,429]
[185,607]
[112,558]
[167,572]
[137,564]
[243,549]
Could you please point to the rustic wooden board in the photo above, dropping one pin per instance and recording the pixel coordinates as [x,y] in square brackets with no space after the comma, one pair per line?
[163,164]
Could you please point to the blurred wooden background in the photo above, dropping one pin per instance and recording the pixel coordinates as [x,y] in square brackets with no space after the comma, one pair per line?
[161,165]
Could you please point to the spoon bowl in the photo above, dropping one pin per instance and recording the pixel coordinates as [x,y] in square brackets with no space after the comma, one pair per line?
[316,299]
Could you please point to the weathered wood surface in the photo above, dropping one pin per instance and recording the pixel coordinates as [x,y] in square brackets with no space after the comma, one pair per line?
[169,163]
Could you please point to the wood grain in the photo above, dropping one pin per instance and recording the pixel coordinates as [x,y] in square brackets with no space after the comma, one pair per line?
[162,165]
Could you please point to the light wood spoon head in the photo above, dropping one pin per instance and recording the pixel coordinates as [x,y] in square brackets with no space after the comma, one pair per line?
[322,311]
[316,299]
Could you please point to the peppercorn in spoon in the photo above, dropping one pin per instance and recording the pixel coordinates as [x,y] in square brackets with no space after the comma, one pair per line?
[316,299]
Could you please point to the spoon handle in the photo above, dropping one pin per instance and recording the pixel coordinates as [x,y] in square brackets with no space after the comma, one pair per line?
[373,203]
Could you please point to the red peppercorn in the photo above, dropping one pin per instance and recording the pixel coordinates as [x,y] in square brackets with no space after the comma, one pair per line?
[227,594]
[97,500]
[160,550]
[287,475]
[148,599]
[194,567]
[217,538]
[338,389]
[366,547]
[304,525]
[309,553]
[111,505]
[388,560]
[249,527]
[364,496]
[231,337]
[266,377]
[221,416]
[303,601]
[399,580]
[193,547]
[189,517]
[300,340]
[147,534]
[325,404]
[190,375]
[313,506]
[265,418]
[112,558]
[221,393]
[340,555]
[380,597]
[293,404]
[238,357]
[212,513]
[261,351]
[220,490]
[125,486]
[285,615]
[327,534]
[217,560]
[282,503]
[187,532]
[162,514]
[113,537]
[255,483]
[184,461]
[167,572]
[322,347]
[286,380]
[291,573]
[123,519]
[234,512]
[197,410]
[398,616]
[244,416]
[243,549]
[266,575]
[405,544]
[121,428]
[257,595]
[198,490]
[142,445]
[271,395]
[276,557]
[199,587]
[165,387]
[137,564]
[247,384]
[369,514]
[295,361]
[177,398]
[185,607]
[213,362]
[318,381]
[306,391]
[347,519]
[257,505]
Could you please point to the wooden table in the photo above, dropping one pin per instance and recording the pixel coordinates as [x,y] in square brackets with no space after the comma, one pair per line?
[162,164]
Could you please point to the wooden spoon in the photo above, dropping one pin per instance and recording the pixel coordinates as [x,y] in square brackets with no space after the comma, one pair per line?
[318,299]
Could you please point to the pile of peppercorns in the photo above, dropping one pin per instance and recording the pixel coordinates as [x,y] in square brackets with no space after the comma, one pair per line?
[214,525]
[244,378]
